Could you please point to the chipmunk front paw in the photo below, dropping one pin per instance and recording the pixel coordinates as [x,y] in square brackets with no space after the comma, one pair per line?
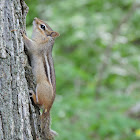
[22,32]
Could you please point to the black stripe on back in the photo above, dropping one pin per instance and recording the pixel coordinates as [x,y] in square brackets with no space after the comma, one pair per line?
[45,67]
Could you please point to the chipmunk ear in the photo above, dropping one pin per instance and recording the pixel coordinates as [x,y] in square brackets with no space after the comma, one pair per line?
[54,34]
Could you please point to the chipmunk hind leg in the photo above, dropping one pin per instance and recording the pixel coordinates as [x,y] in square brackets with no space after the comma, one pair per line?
[33,96]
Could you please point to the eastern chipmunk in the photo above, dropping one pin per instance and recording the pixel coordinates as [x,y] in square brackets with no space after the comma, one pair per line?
[39,49]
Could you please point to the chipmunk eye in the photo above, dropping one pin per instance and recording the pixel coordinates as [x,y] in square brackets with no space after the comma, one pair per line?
[42,27]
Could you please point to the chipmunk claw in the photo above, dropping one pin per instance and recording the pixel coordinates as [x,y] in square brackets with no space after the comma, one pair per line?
[22,32]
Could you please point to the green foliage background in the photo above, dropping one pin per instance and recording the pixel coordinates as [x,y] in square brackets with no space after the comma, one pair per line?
[86,28]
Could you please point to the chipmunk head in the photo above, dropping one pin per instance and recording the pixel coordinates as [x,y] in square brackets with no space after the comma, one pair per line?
[41,31]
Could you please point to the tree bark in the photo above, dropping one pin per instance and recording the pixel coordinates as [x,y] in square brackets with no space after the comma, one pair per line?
[19,119]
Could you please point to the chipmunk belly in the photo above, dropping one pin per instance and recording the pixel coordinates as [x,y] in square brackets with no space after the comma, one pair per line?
[44,93]
[38,69]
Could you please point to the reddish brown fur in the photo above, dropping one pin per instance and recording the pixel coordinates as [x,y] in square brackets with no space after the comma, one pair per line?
[45,91]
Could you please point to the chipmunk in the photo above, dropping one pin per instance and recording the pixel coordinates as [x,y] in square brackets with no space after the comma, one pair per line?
[39,49]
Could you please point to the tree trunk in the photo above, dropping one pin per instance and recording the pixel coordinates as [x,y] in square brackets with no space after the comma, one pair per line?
[19,119]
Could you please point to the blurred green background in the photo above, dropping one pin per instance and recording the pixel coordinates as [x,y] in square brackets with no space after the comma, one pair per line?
[97,64]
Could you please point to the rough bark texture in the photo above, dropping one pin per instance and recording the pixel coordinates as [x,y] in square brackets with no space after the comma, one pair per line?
[19,120]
